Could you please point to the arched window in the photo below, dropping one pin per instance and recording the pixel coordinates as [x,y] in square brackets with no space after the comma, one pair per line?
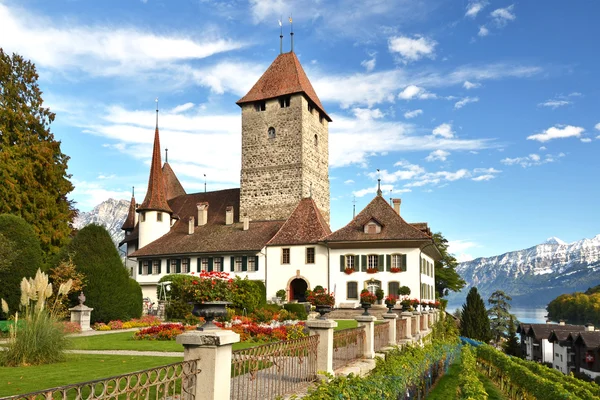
[316,140]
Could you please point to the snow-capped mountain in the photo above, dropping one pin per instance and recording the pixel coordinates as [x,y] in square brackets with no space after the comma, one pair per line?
[110,214]
[535,275]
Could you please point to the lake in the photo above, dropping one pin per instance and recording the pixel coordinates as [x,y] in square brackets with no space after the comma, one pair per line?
[523,314]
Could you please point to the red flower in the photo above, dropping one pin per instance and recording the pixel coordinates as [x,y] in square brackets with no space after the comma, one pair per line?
[194,282]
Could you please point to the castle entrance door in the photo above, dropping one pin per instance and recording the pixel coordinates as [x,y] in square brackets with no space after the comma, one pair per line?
[298,288]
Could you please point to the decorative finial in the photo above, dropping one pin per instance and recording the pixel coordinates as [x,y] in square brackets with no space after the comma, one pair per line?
[379,193]
[280,36]
[81,298]
[310,191]
[204,183]
[156,113]
[166,155]
[292,33]
[132,191]
[390,197]
[354,207]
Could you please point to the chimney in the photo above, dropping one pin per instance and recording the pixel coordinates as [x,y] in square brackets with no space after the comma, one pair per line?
[246,223]
[202,213]
[561,322]
[589,327]
[548,321]
[229,215]
[191,225]
[397,205]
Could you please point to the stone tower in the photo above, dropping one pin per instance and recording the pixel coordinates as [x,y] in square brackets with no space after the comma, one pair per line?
[285,143]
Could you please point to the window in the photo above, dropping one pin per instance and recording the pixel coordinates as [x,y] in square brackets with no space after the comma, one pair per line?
[371,229]
[321,117]
[143,216]
[284,102]
[204,264]
[310,107]
[310,255]
[237,266]
[260,106]
[271,133]
[159,216]
[372,261]
[396,261]
[316,140]
[349,262]
[285,256]
[393,288]
[185,265]
[145,267]
[352,290]
[155,267]
[251,263]
[173,266]
[217,265]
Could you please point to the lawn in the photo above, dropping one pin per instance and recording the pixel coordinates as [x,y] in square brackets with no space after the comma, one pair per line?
[77,368]
[346,324]
[125,341]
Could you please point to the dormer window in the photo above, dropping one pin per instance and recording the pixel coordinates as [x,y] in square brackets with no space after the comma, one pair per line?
[260,105]
[284,102]
[372,227]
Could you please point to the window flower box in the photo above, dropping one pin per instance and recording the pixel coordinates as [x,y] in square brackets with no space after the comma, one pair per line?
[395,270]
[372,270]
[348,271]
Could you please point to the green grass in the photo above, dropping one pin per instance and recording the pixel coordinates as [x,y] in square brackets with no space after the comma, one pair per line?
[77,368]
[346,324]
[125,341]
[492,390]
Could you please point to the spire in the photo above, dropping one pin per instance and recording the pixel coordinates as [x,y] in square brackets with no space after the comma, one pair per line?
[379,192]
[166,156]
[155,195]
[292,34]
[129,223]
[280,37]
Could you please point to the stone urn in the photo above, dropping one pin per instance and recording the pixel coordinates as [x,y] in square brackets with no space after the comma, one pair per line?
[366,306]
[322,310]
[389,307]
[209,311]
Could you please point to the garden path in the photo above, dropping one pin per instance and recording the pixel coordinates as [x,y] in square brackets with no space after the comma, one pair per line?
[130,353]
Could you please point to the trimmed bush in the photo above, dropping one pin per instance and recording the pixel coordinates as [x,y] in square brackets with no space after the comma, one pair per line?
[109,290]
[298,309]
[26,260]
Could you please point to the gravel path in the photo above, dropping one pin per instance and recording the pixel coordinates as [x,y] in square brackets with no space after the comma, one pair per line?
[129,353]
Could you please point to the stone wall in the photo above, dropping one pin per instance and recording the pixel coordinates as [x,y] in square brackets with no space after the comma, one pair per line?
[277,172]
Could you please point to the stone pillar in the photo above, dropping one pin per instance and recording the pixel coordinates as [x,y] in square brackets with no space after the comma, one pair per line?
[417,323]
[160,312]
[81,314]
[324,329]
[368,321]
[425,320]
[392,319]
[407,316]
[212,351]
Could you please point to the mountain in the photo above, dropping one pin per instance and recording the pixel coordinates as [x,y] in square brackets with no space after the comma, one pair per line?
[536,275]
[110,214]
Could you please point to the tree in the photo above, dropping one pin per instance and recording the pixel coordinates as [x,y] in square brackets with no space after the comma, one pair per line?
[475,323]
[499,315]
[109,290]
[511,346]
[18,234]
[446,277]
[33,170]
[62,273]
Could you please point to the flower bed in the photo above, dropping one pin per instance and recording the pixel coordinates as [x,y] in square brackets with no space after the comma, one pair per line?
[145,321]
[162,332]
[273,331]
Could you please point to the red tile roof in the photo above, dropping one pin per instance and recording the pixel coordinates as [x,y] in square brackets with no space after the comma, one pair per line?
[156,199]
[129,223]
[305,225]
[215,236]
[173,187]
[284,76]
[393,226]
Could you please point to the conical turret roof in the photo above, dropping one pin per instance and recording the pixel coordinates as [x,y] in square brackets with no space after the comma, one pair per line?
[173,187]
[129,223]
[156,199]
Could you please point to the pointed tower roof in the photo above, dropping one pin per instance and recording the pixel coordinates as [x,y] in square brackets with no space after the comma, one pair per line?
[393,226]
[129,223]
[156,199]
[173,187]
[284,76]
[305,225]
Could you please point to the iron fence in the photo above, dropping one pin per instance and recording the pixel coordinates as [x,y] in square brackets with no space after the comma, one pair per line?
[348,345]
[400,329]
[381,335]
[274,369]
[170,381]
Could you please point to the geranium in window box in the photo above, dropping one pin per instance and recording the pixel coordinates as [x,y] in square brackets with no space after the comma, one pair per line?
[372,270]
[349,270]
[395,270]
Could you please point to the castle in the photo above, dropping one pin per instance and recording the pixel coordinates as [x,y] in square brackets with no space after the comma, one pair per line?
[275,227]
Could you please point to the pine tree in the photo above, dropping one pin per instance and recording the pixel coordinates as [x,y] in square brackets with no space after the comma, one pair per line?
[499,314]
[511,346]
[475,323]
[446,277]
[33,170]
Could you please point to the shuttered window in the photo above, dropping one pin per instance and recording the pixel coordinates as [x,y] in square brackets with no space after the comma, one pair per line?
[393,288]
[352,290]
[155,267]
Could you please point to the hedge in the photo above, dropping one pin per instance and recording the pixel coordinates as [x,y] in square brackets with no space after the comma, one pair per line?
[297,308]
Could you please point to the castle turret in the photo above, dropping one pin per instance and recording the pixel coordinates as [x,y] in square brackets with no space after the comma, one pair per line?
[131,219]
[155,213]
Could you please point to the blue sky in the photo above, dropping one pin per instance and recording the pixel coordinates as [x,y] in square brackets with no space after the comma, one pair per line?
[481,115]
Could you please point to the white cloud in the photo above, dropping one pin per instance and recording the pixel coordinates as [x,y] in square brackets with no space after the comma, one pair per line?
[586,140]
[554,103]
[543,148]
[413,113]
[470,85]
[182,108]
[348,182]
[483,178]
[101,50]
[412,49]
[370,63]
[384,188]
[461,103]
[90,194]
[557,132]
[437,155]
[444,130]
[415,92]
[474,7]
[532,160]
[483,31]
[502,16]
[597,126]
[366,114]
